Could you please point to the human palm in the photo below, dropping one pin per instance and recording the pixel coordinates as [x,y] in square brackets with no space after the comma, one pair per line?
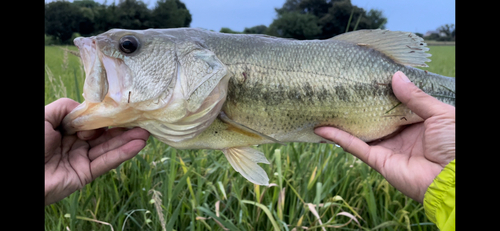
[72,161]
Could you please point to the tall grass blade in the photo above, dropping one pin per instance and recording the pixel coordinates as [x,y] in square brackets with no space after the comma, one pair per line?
[277,156]
[188,180]
[117,214]
[385,225]
[129,214]
[317,199]
[73,209]
[266,210]
[174,217]
[94,220]
[349,22]
[281,203]
[312,209]
[348,215]
[357,22]
[221,188]
[77,88]
[172,173]
[312,179]
[225,224]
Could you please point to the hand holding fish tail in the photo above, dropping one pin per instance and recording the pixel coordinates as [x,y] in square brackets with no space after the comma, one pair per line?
[411,159]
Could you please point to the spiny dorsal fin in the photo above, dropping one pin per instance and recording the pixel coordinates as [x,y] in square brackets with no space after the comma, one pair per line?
[403,47]
[244,160]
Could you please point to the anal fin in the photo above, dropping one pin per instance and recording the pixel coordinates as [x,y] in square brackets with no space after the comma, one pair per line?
[244,160]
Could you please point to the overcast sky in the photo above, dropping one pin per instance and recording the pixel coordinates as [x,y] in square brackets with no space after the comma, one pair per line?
[403,15]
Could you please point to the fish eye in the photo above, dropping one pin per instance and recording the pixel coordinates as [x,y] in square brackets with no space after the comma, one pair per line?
[128,44]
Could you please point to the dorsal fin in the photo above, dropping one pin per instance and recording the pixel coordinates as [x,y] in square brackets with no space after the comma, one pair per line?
[403,47]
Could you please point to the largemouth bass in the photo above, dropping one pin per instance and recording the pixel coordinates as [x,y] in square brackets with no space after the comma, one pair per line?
[197,89]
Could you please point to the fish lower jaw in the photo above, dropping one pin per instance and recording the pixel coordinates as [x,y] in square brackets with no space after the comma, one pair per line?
[92,115]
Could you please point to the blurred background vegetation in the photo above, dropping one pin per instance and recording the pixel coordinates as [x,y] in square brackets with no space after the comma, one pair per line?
[313,186]
[299,19]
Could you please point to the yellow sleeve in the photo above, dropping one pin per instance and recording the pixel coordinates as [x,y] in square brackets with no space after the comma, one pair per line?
[439,200]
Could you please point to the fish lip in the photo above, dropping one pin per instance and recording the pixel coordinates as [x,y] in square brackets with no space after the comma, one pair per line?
[88,52]
[89,116]
[116,74]
[93,114]
[68,126]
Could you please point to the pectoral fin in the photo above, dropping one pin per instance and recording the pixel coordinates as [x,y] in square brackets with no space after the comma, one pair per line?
[244,160]
[226,119]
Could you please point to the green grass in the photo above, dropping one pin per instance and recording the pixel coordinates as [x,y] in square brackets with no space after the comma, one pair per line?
[442,60]
[198,190]
[64,74]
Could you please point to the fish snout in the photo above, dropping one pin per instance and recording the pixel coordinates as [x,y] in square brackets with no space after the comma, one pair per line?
[80,42]
[104,105]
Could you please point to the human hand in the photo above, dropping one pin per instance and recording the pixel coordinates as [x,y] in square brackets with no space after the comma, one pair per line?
[72,161]
[411,159]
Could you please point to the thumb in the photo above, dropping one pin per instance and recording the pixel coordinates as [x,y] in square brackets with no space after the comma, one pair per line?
[57,110]
[415,99]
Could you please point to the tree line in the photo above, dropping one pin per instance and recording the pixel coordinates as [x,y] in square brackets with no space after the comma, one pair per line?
[320,19]
[66,20]
[446,32]
[298,19]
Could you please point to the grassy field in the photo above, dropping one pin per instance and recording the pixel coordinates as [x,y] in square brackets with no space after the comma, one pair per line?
[314,186]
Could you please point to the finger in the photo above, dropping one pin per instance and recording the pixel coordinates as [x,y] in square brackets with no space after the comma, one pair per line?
[357,147]
[347,141]
[415,99]
[52,139]
[112,159]
[90,134]
[106,136]
[115,142]
[55,111]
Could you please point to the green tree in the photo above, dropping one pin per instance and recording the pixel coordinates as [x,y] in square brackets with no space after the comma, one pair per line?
[295,25]
[105,18]
[331,17]
[89,9]
[260,29]
[448,30]
[170,14]
[86,24]
[62,19]
[228,31]
[376,19]
[132,14]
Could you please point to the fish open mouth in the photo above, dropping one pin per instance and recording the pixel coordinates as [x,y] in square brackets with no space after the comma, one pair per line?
[105,81]
[129,84]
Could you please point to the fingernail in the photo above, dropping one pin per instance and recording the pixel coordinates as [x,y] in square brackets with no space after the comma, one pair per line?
[403,76]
